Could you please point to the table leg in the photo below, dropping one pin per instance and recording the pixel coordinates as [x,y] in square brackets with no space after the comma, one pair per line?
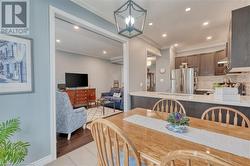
[103,110]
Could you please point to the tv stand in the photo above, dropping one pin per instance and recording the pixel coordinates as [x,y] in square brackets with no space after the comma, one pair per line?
[80,97]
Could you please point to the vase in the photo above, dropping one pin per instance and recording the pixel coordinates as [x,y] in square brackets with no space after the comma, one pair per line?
[177,128]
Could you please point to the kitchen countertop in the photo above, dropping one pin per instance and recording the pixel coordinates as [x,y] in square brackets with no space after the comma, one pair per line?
[244,100]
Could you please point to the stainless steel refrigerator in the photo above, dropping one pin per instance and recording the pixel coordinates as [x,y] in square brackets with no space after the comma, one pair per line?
[183,80]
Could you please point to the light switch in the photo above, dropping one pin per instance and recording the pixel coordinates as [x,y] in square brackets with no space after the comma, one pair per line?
[141,84]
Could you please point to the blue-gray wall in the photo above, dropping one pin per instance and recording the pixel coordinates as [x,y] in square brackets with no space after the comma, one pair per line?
[34,108]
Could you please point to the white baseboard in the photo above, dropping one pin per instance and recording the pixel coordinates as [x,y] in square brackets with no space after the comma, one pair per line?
[43,161]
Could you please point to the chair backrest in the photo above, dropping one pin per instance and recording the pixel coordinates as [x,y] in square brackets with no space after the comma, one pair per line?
[226,115]
[63,104]
[169,106]
[190,157]
[112,144]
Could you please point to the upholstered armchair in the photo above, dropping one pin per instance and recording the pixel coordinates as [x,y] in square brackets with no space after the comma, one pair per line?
[68,119]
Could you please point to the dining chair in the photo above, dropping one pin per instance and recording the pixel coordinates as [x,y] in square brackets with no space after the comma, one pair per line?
[169,106]
[224,114]
[114,147]
[190,157]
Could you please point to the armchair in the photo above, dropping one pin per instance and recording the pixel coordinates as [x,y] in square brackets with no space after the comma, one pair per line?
[68,119]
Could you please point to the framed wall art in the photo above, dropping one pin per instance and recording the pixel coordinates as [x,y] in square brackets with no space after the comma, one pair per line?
[15,65]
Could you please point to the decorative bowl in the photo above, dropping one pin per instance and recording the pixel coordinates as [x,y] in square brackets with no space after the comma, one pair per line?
[177,128]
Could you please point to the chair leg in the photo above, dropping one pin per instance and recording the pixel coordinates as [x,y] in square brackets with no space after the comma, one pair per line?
[69,136]
[84,126]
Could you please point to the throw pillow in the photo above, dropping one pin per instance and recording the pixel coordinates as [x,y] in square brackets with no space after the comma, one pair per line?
[117,95]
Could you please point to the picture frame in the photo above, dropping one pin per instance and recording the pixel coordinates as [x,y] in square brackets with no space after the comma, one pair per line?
[15,64]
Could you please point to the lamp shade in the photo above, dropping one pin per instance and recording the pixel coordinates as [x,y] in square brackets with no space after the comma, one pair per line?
[130,19]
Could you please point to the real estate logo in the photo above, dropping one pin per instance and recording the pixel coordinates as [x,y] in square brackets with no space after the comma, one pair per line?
[14,17]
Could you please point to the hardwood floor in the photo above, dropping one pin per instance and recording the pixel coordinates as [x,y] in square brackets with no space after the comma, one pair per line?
[78,138]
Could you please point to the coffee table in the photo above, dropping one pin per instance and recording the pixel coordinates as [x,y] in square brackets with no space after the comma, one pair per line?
[102,102]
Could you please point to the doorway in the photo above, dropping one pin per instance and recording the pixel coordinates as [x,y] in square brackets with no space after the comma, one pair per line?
[54,13]
[151,71]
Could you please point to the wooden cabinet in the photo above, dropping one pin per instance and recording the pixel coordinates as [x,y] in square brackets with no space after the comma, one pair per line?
[81,97]
[220,69]
[91,95]
[193,61]
[179,61]
[207,66]
[204,64]
[240,50]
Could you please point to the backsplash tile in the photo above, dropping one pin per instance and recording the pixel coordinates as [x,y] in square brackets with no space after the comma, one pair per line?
[206,82]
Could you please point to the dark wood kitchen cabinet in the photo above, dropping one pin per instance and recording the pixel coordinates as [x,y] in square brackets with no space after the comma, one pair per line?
[220,69]
[193,61]
[179,61]
[240,50]
[207,65]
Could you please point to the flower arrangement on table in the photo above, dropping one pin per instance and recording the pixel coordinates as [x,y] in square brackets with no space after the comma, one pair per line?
[177,122]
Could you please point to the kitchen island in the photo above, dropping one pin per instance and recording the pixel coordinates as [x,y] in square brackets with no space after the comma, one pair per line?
[194,105]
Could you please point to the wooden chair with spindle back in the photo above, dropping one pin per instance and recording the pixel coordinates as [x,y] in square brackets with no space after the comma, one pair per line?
[169,106]
[190,157]
[211,113]
[113,145]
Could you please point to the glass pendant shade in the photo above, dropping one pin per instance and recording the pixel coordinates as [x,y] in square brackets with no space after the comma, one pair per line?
[130,19]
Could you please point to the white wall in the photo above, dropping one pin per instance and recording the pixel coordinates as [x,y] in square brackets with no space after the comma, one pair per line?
[138,63]
[101,73]
[163,80]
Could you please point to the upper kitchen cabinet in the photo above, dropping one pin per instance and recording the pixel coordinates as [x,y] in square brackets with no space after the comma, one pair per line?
[220,68]
[179,61]
[207,65]
[193,61]
[240,42]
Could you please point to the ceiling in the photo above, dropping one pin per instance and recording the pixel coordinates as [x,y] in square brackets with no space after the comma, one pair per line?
[84,42]
[170,17]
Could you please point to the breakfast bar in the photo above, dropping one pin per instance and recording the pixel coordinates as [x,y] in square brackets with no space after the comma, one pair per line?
[194,105]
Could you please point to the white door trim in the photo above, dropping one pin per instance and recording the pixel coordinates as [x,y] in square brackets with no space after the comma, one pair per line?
[52,13]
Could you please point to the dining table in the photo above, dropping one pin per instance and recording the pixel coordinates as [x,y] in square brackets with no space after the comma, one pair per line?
[146,130]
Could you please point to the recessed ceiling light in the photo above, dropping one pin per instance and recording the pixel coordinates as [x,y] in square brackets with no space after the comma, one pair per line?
[150,24]
[76,27]
[176,44]
[104,52]
[209,37]
[58,40]
[164,35]
[188,9]
[205,23]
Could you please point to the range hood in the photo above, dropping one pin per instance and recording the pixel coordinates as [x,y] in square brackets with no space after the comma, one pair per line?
[233,71]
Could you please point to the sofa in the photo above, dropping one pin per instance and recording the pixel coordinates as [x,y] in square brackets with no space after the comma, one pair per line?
[68,119]
[117,100]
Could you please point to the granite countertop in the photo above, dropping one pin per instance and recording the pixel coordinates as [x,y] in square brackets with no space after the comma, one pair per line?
[244,100]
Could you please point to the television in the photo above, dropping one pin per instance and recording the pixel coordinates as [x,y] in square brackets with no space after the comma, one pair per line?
[73,80]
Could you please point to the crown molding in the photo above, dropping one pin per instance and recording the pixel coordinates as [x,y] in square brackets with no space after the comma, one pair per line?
[117,60]
[201,49]
[150,41]
[92,10]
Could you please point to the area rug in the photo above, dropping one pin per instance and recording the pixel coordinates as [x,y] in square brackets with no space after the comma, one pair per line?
[96,112]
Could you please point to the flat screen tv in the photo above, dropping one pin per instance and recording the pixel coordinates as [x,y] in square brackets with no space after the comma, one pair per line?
[74,80]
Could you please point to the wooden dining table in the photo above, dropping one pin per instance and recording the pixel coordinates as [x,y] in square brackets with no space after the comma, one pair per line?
[153,145]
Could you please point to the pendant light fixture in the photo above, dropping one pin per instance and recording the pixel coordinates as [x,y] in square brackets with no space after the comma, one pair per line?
[130,19]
